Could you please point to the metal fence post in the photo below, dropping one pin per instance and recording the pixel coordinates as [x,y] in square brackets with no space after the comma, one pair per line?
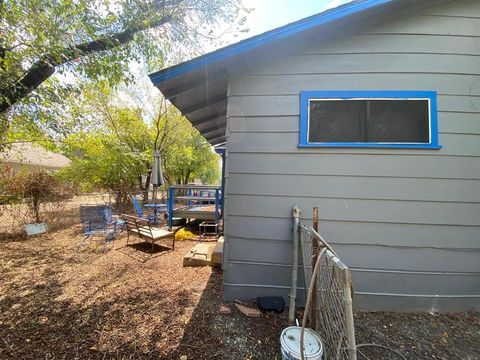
[315,251]
[293,292]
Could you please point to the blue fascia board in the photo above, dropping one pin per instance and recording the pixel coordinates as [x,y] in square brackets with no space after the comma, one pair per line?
[306,96]
[266,38]
[220,150]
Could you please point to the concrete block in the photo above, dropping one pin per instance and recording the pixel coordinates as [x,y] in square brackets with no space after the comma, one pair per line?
[217,253]
[199,255]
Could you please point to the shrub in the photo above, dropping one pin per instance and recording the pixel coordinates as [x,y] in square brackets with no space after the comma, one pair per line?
[35,188]
[6,176]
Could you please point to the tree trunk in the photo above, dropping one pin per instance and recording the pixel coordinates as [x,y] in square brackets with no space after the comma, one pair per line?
[187,177]
[36,209]
[45,66]
[147,185]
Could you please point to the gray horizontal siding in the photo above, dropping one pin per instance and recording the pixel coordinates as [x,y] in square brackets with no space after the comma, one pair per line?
[416,283]
[398,44]
[282,105]
[268,232]
[414,212]
[418,302]
[259,274]
[449,123]
[291,84]
[363,300]
[406,221]
[411,259]
[438,190]
[460,8]
[430,25]
[453,144]
[372,63]
[408,283]
[356,164]
[403,259]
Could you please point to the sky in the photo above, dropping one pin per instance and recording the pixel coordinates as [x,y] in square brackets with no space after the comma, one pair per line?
[266,15]
[270,14]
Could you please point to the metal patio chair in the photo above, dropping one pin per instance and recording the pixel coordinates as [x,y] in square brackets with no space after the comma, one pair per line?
[97,220]
[139,210]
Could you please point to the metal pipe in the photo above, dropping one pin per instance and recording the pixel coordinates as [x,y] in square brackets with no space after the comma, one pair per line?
[315,251]
[293,292]
[316,267]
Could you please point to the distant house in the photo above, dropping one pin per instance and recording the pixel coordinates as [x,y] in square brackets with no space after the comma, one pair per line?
[32,156]
[370,111]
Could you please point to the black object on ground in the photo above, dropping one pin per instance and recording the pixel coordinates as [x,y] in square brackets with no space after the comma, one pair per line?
[271,303]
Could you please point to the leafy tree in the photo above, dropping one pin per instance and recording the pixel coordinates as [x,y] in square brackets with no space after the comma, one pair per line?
[111,159]
[118,155]
[188,156]
[93,40]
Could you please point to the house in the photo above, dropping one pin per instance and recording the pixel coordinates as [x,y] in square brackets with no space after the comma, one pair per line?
[369,111]
[32,156]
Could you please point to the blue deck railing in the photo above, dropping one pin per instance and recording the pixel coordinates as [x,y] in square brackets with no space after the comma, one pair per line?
[193,195]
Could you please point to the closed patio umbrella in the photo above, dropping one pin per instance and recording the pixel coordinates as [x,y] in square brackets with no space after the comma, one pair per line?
[157,178]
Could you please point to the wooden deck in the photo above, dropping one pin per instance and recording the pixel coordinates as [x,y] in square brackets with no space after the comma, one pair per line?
[197,211]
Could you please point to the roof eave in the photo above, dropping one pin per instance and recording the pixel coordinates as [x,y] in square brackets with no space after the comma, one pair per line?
[265,38]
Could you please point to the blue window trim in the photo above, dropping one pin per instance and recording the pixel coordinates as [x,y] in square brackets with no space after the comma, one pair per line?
[306,96]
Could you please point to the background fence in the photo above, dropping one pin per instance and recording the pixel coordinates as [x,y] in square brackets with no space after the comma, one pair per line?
[332,316]
[58,213]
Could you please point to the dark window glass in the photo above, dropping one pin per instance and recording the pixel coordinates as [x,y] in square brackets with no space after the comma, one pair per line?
[336,120]
[397,121]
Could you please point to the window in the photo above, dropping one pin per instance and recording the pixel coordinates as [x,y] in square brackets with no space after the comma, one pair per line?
[391,119]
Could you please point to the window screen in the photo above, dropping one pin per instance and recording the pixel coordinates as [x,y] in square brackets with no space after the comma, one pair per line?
[369,120]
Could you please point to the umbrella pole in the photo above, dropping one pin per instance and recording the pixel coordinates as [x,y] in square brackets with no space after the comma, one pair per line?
[155,203]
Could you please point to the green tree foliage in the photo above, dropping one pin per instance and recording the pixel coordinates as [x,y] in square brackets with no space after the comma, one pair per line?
[118,155]
[113,158]
[91,40]
[189,157]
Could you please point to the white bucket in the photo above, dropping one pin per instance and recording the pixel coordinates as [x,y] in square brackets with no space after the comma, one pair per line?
[290,344]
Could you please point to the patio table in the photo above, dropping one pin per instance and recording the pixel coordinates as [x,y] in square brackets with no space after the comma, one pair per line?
[157,209]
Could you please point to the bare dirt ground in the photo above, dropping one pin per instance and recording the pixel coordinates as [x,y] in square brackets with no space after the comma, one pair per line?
[126,303]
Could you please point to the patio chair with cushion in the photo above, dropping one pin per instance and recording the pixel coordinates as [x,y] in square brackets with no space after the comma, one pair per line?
[143,229]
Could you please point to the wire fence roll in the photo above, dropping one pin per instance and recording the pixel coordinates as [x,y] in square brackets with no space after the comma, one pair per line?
[334,312]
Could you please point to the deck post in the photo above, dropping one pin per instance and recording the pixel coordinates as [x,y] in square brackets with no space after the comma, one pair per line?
[171,196]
